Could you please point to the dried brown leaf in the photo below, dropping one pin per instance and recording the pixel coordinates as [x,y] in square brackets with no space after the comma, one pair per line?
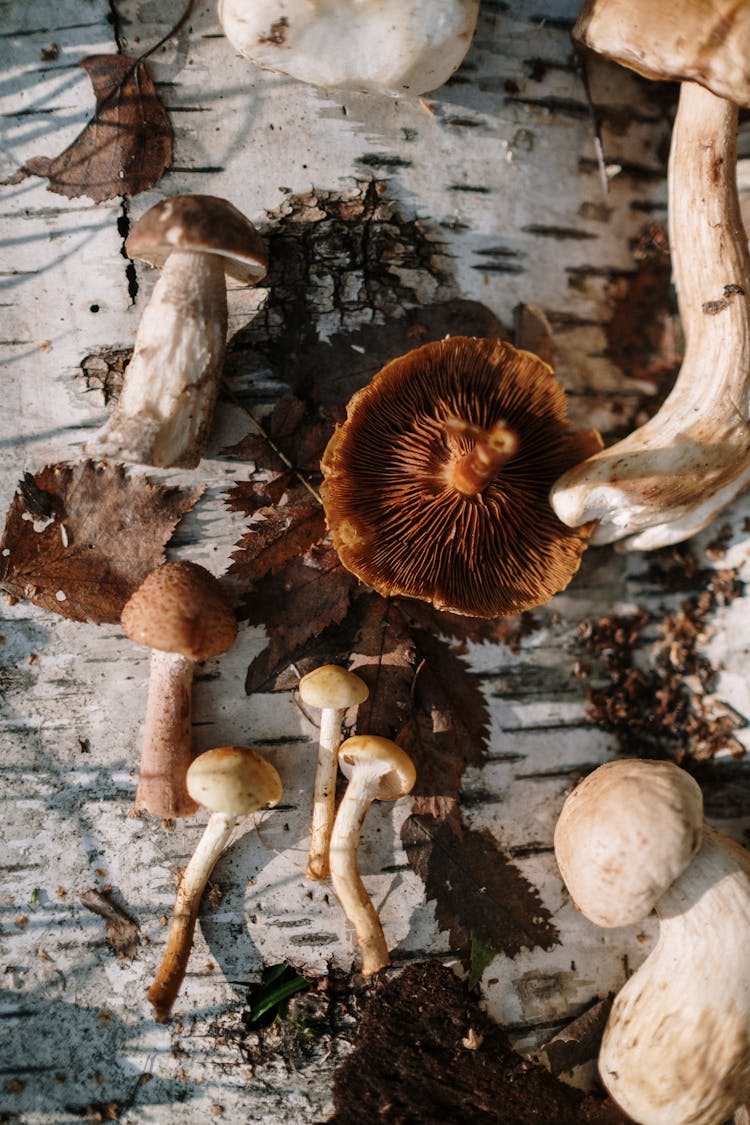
[481,898]
[297,429]
[122,931]
[311,593]
[126,146]
[277,536]
[79,539]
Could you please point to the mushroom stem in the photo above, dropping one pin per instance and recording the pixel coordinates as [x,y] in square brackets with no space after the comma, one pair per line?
[171,384]
[676,1043]
[347,882]
[669,478]
[171,973]
[471,474]
[324,794]
[167,737]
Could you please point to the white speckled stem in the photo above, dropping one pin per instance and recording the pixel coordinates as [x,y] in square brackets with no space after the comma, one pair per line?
[347,883]
[167,738]
[324,797]
[164,413]
[171,973]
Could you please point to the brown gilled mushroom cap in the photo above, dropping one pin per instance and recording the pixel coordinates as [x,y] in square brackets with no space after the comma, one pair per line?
[181,608]
[436,485]
[202,224]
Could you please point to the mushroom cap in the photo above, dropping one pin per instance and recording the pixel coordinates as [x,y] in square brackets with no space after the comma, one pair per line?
[394,766]
[235,780]
[379,46]
[705,41]
[397,520]
[202,224]
[624,835]
[181,607]
[332,686]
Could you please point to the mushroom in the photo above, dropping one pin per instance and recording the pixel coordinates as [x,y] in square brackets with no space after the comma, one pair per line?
[436,485]
[631,838]
[164,412]
[181,613]
[376,46]
[672,476]
[334,690]
[378,770]
[231,782]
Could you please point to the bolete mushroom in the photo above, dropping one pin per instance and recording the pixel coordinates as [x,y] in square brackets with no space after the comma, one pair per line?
[672,476]
[333,690]
[436,485]
[376,46]
[166,405]
[181,613]
[631,838]
[378,770]
[231,782]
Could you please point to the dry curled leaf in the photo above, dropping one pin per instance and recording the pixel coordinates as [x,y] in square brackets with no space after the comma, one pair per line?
[79,539]
[122,931]
[125,147]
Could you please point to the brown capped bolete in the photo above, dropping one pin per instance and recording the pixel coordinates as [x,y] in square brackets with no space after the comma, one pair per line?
[164,412]
[181,613]
[378,770]
[669,478]
[436,485]
[231,782]
[333,690]
[631,838]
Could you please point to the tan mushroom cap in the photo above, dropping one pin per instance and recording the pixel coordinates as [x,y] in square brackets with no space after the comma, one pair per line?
[394,766]
[181,608]
[332,686]
[704,41]
[202,224]
[403,522]
[624,835]
[235,780]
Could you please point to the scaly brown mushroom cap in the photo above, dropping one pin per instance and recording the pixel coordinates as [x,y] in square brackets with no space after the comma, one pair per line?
[436,485]
[181,608]
[201,224]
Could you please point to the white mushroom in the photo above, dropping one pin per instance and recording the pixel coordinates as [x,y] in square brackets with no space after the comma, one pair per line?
[379,770]
[377,46]
[334,690]
[630,838]
[231,782]
[672,476]
[164,412]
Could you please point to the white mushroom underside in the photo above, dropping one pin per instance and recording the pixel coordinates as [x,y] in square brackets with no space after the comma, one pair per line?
[677,1044]
[169,392]
[379,46]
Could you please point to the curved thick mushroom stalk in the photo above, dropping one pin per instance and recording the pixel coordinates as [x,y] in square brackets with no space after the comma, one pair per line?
[677,1044]
[164,413]
[436,485]
[672,476]
[375,46]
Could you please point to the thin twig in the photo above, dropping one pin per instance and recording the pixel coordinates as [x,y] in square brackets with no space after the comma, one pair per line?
[267,437]
[581,69]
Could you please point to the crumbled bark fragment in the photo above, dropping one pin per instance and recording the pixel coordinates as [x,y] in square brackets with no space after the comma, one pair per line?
[410,1064]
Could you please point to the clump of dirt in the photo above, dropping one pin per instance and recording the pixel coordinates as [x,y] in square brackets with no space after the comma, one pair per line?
[425,1052]
[656,697]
